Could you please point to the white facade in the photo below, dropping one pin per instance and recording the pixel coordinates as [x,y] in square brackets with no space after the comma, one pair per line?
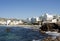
[3,22]
[33,20]
[28,20]
[54,20]
[47,17]
[37,19]
[8,21]
[20,21]
[16,22]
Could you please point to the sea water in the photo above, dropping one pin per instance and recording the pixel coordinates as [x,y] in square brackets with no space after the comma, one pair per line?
[19,34]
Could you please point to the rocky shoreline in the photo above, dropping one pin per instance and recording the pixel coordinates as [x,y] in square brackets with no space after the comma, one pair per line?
[52,30]
[51,39]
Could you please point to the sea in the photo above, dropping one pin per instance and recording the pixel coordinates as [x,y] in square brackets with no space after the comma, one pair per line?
[20,34]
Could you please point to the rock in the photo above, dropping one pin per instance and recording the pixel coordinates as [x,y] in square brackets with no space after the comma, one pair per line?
[50,27]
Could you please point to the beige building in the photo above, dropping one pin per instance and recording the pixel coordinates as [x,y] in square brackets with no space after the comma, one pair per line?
[16,22]
[2,22]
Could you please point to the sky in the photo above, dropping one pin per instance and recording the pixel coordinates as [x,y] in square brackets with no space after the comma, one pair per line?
[28,8]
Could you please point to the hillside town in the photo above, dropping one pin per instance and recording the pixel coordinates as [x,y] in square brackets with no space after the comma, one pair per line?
[45,18]
[47,21]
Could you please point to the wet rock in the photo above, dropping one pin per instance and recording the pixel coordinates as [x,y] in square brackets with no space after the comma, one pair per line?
[58,38]
[50,27]
[50,39]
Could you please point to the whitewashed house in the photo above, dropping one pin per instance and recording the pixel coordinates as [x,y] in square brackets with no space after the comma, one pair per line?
[28,20]
[20,22]
[2,22]
[37,19]
[8,22]
[47,17]
[33,20]
[54,21]
[15,22]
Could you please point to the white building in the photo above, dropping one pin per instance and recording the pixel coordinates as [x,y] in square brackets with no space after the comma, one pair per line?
[47,17]
[54,21]
[3,22]
[28,20]
[35,19]
[16,22]
[20,22]
[8,22]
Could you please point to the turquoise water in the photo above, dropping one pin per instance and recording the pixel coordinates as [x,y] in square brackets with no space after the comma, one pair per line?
[19,34]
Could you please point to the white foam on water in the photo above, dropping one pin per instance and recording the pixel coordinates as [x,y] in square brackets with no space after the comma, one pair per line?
[53,34]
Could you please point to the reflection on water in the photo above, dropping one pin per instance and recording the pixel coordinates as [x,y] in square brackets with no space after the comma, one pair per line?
[19,34]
